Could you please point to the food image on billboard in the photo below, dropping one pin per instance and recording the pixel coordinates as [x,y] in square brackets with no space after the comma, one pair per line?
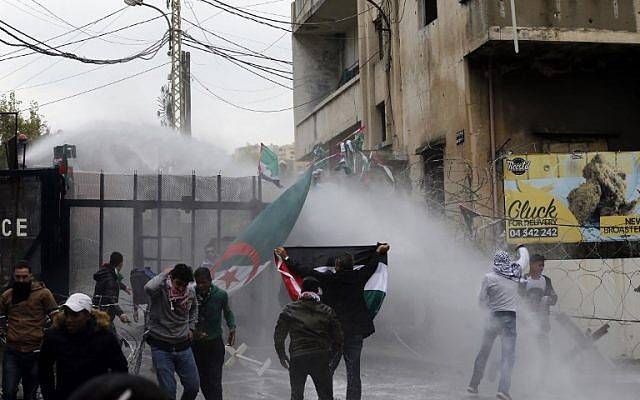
[572,198]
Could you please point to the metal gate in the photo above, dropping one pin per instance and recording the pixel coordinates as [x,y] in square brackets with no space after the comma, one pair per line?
[31,224]
[153,220]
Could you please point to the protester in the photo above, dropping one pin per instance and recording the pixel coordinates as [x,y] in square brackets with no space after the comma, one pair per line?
[315,331]
[540,296]
[499,295]
[26,305]
[208,347]
[139,277]
[210,254]
[343,291]
[109,283]
[81,345]
[173,314]
[119,387]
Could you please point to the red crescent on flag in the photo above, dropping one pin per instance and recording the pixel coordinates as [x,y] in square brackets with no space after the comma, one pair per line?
[241,249]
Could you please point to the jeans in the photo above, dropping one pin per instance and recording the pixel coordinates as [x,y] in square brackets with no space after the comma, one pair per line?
[315,365]
[501,324]
[167,364]
[351,351]
[209,356]
[16,367]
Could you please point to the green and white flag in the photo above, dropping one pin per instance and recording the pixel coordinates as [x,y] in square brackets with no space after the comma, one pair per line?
[268,167]
[321,259]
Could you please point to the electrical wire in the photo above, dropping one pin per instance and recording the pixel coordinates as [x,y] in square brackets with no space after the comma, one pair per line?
[238,10]
[59,60]
[57,80]
[98,87]
[54,15]
[146,54]
[237,44]
[74,30]
[86,39]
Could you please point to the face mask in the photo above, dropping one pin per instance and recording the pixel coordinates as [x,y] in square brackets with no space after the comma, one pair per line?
[21,291]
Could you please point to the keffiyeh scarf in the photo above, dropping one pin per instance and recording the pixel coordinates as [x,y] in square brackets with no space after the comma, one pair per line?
[503,265]
[310,296]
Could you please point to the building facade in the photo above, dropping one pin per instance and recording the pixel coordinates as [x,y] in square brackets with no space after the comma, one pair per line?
[443,95]
[446,90]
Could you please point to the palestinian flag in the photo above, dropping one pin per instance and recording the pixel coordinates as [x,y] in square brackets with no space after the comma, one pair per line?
[252,251]
[322,259]
[268,166]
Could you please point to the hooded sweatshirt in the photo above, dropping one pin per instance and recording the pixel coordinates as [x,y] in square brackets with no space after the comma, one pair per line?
[26,319]
[170,320]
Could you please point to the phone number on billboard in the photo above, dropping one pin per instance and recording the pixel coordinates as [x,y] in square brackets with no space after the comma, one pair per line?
[533,232]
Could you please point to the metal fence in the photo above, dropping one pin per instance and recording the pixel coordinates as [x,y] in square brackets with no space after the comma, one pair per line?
[154,220]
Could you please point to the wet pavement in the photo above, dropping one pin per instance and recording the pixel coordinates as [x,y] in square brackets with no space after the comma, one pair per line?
[390,371]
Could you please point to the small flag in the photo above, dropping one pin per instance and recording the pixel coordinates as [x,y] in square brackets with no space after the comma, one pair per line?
[321,260]
[268,166]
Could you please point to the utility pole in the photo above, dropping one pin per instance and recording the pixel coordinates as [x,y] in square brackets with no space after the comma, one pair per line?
[175,79]
[186,93]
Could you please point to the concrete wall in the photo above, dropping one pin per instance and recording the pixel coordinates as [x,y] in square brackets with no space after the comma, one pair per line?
[331,117]
[612,15]
[601,289]
[316,70]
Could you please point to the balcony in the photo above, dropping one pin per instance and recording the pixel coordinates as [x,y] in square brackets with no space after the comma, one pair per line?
[586,21]
[320,15]
[334,115]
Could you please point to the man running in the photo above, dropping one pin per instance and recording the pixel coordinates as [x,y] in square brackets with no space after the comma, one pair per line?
[499,295]
[208,347]
[173,314]
[109,283]
[80,346]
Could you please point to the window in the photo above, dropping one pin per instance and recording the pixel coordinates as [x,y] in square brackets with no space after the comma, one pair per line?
[383,121]
[430,11]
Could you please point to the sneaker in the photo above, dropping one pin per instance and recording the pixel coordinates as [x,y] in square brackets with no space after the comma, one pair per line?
[503,396]
[472,390]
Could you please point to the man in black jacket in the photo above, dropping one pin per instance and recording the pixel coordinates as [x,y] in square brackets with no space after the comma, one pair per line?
[315,332]
[81,346]
[343,291]
[106,294]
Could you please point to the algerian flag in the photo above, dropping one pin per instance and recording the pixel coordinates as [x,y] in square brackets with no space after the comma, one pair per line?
[252,251]
[321,259]
[268,166]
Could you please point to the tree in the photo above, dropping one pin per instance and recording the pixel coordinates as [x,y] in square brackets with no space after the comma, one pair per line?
[33,124]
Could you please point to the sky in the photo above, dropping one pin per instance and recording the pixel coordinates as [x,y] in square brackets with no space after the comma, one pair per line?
[44,78]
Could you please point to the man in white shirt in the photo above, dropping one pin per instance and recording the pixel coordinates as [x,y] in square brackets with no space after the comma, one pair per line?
[499,295]
[540,296]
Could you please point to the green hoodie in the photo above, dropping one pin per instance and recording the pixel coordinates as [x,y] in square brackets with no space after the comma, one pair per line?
[211,308]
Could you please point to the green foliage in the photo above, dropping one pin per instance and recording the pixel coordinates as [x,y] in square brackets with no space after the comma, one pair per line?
[30,122]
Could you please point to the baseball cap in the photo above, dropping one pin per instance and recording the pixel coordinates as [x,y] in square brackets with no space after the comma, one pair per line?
[78,302]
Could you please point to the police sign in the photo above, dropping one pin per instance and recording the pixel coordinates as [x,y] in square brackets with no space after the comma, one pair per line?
[16,227]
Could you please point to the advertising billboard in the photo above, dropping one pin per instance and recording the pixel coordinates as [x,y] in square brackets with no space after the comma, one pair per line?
[572,198]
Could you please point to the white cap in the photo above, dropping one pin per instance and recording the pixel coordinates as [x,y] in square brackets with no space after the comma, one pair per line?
[78,302]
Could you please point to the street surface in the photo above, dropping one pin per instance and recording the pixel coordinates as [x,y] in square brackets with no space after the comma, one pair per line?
[391,371]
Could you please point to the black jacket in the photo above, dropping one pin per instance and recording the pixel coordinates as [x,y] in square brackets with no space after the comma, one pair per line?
[107,290]
[344,292]
[313,327]
[79,357]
